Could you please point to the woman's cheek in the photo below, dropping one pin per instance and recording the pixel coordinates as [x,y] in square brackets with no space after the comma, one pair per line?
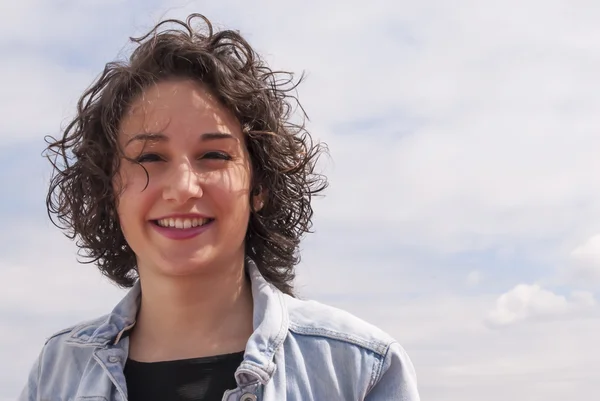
[135,178]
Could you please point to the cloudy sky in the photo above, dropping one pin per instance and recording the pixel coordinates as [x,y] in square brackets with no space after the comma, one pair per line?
[463,215]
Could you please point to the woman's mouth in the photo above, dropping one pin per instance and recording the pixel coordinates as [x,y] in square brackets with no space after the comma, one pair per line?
[182,228]
[182,223]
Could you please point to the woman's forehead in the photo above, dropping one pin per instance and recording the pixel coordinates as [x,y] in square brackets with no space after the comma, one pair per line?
[177,105]
[176,96]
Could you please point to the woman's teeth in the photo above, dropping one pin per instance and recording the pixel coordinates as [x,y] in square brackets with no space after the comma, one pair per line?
[181,223]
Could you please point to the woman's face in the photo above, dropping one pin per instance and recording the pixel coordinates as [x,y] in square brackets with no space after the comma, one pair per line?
[190,213]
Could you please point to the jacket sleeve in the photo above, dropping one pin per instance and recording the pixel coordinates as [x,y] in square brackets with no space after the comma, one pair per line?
[30,392]
[397,379]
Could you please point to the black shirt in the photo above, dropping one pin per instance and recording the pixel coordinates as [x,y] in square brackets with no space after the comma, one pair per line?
[198,379]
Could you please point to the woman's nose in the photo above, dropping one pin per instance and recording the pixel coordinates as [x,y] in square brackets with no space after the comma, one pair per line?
[183,184]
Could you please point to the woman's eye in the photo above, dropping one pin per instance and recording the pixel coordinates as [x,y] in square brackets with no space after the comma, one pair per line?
[216,155]
[148,157]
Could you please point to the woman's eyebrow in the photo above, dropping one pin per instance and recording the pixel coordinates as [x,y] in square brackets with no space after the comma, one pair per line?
[158,137]
[148,136]
[211,136]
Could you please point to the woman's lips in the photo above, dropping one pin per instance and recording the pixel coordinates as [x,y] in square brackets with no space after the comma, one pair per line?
[182,233]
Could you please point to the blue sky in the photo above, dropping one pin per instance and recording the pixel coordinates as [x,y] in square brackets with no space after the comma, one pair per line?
[463,212]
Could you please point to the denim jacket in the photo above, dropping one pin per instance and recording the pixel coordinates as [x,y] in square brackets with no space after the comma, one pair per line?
[299,351]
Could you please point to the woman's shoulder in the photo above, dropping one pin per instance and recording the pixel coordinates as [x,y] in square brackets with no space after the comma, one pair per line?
[319,320]
[77,334]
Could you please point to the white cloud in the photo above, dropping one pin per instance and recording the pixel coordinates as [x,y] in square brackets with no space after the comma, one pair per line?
[486,162]
[474,278]
[37,106]
[532,302]
[53,53]
[60,284]
[586,261]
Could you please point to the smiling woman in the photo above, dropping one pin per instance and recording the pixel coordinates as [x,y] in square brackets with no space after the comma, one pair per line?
[193,152]
[183,178]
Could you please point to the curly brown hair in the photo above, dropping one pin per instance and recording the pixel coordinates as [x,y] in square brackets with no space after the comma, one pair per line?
[81,199]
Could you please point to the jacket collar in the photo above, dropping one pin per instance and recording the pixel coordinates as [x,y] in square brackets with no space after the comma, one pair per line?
[270,321]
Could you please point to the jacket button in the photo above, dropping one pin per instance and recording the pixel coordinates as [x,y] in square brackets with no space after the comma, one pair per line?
[113,359]
[248,397]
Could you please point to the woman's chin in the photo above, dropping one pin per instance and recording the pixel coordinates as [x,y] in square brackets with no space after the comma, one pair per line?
[177,264]
[186,267]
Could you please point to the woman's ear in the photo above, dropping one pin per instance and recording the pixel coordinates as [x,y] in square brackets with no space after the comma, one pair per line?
[259,197]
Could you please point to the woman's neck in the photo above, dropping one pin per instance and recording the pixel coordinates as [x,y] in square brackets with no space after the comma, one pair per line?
[188,317]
